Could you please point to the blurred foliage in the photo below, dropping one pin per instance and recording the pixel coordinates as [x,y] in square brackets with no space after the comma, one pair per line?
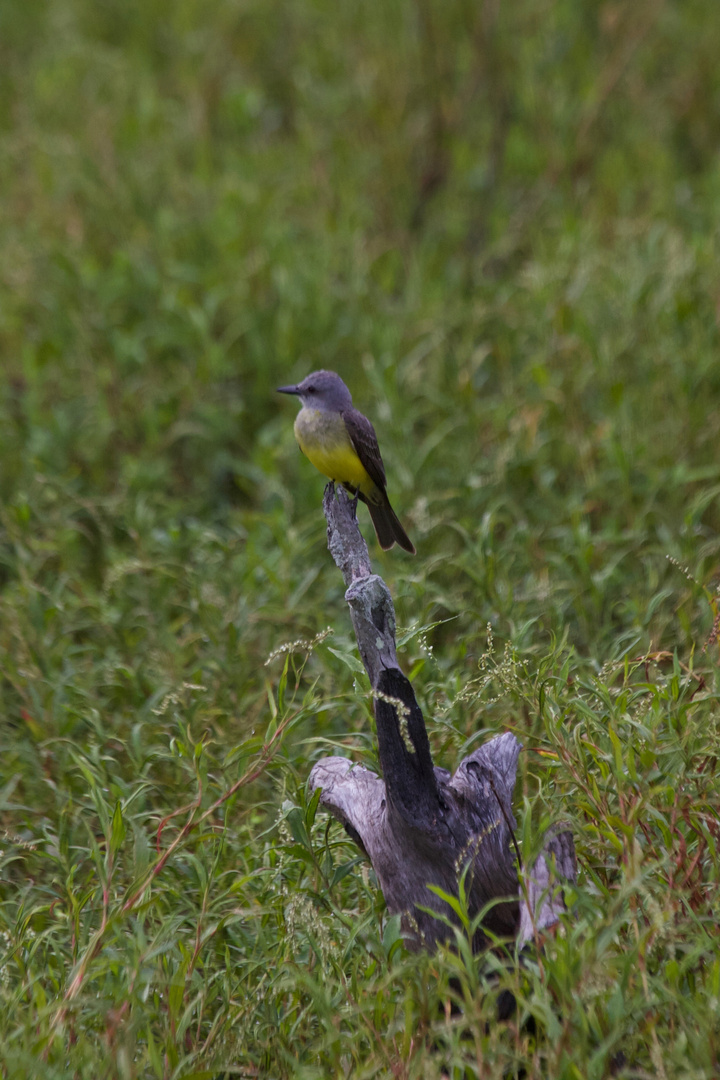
[499,223]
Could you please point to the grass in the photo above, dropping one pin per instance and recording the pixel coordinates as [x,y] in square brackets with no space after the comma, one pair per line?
[499,224]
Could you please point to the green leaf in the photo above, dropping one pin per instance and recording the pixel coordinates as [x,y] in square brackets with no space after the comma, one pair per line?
[343,869]
[118,828]
[349,659]
[282,685]
[392,938]
[312,808]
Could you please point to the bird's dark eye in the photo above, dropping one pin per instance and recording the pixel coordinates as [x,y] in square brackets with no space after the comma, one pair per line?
[311,389]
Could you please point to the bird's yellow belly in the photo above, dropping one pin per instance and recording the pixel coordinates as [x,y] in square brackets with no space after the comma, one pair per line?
[324,440]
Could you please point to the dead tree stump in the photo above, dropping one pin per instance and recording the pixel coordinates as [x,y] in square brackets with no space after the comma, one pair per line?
[418,824]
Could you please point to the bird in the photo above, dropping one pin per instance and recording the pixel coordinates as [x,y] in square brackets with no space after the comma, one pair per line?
[341,443]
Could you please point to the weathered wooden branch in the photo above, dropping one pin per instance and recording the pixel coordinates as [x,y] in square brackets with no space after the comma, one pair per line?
[418,824]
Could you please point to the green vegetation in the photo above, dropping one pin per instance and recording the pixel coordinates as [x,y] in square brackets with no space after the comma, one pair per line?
[499,224]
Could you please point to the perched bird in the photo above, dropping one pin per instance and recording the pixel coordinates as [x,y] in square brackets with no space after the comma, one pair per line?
[342,444]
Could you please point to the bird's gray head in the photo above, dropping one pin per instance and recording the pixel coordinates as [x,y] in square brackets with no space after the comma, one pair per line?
[321,390]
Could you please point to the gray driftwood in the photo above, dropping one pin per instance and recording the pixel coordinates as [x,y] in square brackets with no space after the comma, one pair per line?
[418,824]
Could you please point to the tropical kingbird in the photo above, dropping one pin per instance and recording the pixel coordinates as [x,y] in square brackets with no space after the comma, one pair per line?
[342,444]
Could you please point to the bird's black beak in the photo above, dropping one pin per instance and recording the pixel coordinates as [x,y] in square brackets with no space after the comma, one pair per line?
[288,389]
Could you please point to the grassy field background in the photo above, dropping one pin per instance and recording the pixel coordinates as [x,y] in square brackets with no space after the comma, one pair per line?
[499,223]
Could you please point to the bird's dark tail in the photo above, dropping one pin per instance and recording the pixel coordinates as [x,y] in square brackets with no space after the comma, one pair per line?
[387,526]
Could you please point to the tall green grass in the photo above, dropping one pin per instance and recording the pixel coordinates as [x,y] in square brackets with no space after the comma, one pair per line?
[499,224]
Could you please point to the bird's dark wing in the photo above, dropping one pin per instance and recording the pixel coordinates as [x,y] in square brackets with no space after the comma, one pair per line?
[363,437]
